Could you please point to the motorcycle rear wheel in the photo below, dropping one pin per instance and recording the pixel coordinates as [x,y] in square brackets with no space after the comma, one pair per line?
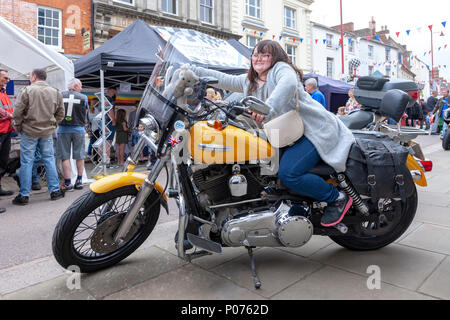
[376,242]
[446,140]
[86,212]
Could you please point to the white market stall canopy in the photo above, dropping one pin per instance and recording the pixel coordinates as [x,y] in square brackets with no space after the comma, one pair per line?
[22,53]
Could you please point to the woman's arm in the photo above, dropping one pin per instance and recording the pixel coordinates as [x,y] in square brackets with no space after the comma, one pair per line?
[124,126]
[286,80]
[226,81]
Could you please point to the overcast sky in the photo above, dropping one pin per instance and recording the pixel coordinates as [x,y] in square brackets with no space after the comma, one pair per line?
[399,16]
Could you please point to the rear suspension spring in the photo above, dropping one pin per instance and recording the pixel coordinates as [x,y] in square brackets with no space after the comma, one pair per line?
[350,191]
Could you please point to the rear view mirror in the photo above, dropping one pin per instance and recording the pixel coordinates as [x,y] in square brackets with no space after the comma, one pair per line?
[256,105]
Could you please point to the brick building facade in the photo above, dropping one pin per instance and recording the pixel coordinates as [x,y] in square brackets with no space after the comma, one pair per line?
[62,24]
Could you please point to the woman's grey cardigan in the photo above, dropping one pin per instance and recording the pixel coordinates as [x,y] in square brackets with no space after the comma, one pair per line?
[326,132]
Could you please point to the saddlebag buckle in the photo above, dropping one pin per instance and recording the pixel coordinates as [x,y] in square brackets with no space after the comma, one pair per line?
[371,180]
[399,179]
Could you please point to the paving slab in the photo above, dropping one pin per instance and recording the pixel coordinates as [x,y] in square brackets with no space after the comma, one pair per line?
[139,267]
[414,226]
[433,198]
[21,276]
[399,265]
[333,284]
[430,237]
[55,289]
[276,269]
[438,284]
[187,283]
[433,214]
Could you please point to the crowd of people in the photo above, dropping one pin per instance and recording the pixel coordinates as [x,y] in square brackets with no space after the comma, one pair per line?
[52,126]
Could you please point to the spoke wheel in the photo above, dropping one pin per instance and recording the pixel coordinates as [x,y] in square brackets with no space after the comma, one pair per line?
[85,233]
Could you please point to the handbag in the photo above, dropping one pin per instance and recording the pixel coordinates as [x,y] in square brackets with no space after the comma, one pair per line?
[286,129]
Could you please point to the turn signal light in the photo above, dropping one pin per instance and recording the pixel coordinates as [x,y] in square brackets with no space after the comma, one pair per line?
[218,125]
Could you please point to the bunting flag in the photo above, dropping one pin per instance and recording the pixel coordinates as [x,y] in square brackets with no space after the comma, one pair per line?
[349,41]
[439,49]
[254,32]
[324,41]
[317,40]
[273,37]
[444,23]
[281,37]
[430,27]
[293,39]
[243,29]
[260,34]
[301,40]
[377,37]
[398,34]
[408,32]
[445,47]
[368,38]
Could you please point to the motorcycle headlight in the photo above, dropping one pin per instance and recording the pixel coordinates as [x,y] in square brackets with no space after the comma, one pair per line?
[151,125]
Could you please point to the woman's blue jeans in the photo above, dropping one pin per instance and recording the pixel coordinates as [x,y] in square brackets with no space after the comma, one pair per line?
[27,156]
[295,163]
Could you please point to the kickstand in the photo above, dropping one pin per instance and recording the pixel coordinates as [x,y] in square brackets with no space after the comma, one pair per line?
[252,261]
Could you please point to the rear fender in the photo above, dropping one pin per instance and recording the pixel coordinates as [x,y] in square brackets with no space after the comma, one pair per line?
[413,165]
[123,179]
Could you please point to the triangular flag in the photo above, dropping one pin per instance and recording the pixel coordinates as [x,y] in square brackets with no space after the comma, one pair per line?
[280,37]
[273,37]
[243,29]
[439,49]
[430,27]
[368,38]
[317,40]
[349,41]
[260,34]
[301,40]
[444,23]
[445,47]
[293,39]
[408,32]
[254,32]
[412,57]
[398,34]
[377,37]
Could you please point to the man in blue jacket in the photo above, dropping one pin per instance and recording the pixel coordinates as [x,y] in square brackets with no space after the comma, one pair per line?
[311,87]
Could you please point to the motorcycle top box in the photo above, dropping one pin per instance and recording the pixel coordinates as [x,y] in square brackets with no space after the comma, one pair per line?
[370,91]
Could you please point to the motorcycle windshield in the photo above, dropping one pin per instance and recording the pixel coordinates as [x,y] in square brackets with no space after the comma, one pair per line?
[179,50]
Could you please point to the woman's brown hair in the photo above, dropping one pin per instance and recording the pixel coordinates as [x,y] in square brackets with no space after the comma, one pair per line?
[121,115]
[278,54]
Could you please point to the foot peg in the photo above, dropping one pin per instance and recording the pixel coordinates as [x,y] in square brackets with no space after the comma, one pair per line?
[252,261]
[172,193]
[342,228]
[204,244]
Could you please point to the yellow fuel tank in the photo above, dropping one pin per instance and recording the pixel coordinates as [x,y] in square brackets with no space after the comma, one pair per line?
[231,145]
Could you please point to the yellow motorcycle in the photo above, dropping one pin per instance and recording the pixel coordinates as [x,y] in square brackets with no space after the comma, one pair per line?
[226,186]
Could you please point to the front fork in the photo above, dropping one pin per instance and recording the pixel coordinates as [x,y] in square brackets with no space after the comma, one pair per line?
[146,188]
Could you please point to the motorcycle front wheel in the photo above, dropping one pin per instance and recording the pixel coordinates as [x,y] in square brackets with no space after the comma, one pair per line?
[382,233]
[84,235]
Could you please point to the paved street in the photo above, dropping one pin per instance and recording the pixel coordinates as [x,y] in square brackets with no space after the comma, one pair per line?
[416,266]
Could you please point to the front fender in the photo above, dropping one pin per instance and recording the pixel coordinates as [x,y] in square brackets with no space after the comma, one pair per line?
[123,179]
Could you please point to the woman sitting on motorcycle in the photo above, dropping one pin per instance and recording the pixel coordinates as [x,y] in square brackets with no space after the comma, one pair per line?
[274,79]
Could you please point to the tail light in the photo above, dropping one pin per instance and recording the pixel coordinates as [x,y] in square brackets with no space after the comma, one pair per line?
[414,94]
[427,165]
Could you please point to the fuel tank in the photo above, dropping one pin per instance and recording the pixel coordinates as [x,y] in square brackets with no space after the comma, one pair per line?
[208,145]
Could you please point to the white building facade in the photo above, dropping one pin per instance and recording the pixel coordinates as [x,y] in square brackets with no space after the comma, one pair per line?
[285,21]
[362,57]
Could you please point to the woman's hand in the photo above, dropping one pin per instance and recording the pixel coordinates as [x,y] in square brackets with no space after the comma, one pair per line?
[257,117]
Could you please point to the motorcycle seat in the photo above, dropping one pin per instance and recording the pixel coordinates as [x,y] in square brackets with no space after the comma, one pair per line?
[357,120]
[322,169]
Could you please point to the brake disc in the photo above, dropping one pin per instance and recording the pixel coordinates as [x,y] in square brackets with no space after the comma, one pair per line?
[102,240]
